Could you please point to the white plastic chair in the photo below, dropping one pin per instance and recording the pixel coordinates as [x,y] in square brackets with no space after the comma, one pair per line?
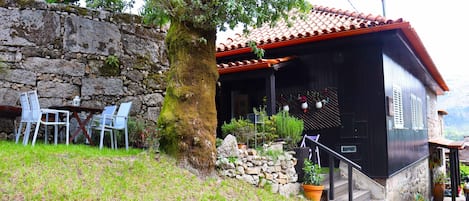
[37,114]
[312,138]
[25,116]
[98,120]
[119,122]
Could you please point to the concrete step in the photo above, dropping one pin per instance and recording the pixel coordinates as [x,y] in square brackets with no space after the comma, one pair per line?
[341,191]
[340,186]
[358,195]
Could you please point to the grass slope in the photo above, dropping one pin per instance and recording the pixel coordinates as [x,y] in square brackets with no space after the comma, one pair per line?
[79,172]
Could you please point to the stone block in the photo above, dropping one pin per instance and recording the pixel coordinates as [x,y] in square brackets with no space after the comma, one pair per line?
[55,66]
[289,189]
[253,170]
[28,27]
[274,187]
[9,96]
[249,179]
[10,56]
[102,86]
[82,35]
[153,113]
[19,76]
[269,176]
[155,99]
[228,148]
[145,48]
[50,89]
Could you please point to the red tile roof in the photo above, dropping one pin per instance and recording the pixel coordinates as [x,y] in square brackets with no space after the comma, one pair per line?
[324,23]
[321,21]
[247,65]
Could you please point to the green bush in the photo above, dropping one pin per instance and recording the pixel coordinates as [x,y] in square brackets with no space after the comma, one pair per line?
[464,171]
[289,128]
[240,128]
[313,174]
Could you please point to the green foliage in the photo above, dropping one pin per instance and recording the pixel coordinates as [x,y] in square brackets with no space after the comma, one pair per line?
[113,5]
[242,129]
[63,1]
[289,128]
[419,197]
[268,128]
[439,177]
[312,173]
[143,135]
[272,153]
[259,52]
[232,159]
[222,14]
[454,133]
[111,66]
[218,142]
[112,60]
[464,171]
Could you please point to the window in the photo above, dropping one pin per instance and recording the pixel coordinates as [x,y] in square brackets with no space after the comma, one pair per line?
[417,112]
[397,107]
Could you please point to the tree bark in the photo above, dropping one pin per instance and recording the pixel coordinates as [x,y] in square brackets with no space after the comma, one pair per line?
[188,119]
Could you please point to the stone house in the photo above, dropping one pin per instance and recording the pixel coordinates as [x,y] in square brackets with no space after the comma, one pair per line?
[376,83]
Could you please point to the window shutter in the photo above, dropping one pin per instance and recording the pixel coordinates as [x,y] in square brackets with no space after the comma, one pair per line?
[398,107]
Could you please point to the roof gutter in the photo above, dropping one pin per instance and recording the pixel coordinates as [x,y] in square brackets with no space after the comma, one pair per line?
[244,68]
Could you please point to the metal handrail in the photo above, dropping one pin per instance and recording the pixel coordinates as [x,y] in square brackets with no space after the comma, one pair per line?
[350,164]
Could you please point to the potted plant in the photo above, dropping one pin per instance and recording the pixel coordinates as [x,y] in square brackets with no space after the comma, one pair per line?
[312,186]
[439,178]
[290,129]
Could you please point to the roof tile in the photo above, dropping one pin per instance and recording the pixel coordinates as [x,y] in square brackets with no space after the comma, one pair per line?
[321,20]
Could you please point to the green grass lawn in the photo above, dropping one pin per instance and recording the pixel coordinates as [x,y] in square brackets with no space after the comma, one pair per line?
[80,172]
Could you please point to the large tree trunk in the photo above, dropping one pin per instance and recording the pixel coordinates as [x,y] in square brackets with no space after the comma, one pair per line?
[188,118]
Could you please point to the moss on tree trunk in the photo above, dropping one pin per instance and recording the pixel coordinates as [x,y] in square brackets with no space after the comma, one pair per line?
[188,118]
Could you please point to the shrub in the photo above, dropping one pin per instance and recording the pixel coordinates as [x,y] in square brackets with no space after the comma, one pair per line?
[289,128]
[312,173]
[240,128]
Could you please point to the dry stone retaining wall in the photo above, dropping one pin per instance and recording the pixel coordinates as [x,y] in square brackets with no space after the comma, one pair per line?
[278,173]
[60,51]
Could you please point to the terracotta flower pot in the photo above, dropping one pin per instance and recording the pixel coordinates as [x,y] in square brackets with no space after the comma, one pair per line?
[438,192]
[313,192]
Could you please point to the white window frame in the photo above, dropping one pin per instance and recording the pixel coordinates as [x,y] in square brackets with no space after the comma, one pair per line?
[417,112]
[398,107]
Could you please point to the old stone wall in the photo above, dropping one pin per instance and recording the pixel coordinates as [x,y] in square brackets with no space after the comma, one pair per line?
[433,120]
[407,183]
[64,51]
[274,172]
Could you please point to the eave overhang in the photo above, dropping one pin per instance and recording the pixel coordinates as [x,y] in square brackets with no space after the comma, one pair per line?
[249,65]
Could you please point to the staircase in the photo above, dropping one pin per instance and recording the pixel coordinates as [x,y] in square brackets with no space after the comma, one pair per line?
[349,176]
[341,190]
